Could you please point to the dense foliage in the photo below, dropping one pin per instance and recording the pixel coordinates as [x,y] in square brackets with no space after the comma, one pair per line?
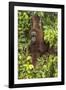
[47,65]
